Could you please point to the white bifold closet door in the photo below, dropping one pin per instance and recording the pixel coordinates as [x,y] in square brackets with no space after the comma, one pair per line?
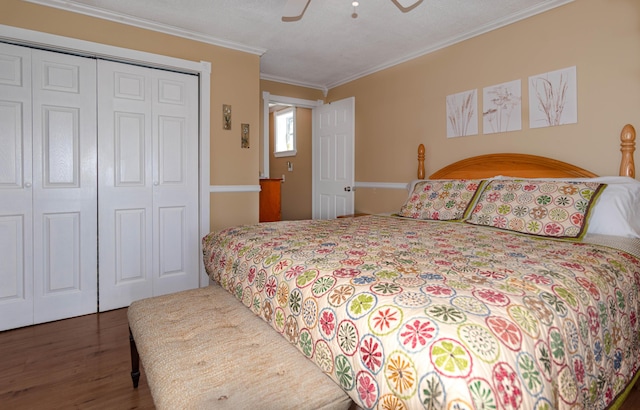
[148,183]
[95,157]
[48,186]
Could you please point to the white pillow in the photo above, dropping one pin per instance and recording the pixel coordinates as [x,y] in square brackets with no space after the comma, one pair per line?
[617,210]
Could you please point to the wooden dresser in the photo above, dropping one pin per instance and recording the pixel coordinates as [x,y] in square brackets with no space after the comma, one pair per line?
[270,204]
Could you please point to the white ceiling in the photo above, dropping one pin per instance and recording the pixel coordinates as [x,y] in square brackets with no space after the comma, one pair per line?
[327,47]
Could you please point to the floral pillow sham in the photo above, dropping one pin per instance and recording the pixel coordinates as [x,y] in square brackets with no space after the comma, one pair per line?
[445,200]
[558,209]
[617,211]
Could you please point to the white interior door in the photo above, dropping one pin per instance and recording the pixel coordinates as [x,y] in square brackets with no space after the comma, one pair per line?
[333,159]
[16,277]
[148,183]
[64,185]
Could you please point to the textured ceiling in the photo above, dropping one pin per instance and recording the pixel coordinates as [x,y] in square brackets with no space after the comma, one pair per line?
[327,47]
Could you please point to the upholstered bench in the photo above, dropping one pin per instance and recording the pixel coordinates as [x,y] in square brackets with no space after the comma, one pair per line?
[202,348]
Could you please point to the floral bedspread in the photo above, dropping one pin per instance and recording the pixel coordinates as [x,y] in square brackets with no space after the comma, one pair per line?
[415,314]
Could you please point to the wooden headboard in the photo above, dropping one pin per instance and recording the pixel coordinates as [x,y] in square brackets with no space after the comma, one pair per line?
[527,166]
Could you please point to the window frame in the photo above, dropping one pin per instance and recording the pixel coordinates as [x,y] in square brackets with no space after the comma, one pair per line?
[287,153]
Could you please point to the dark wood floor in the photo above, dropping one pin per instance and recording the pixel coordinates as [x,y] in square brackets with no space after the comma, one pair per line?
[79,363]
[83,363]
[633,401]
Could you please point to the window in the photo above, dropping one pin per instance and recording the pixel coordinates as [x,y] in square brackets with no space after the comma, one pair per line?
[285,133]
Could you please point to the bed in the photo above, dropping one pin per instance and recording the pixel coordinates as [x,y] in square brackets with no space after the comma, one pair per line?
[504,281]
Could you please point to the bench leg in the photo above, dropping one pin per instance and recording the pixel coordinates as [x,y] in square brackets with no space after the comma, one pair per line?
[135,361]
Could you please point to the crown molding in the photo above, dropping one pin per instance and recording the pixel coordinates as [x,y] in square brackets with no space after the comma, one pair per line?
[294,82]
[530,12]
[70,5]
[92,11]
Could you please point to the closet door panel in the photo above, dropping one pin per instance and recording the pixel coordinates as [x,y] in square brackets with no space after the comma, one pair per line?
[124,184]
[11,136]
[148,175]
[64,185]
[11,251]
[172,253]
[172,137]
[60,147]
[175,190]
[16,283]
[16,279]
[130,144]
[61,246]
[131,251]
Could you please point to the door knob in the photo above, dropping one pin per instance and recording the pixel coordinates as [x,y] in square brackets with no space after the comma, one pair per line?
[347,188]
[27,184]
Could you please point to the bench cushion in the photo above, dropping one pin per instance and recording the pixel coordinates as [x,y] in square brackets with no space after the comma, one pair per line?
[202,348]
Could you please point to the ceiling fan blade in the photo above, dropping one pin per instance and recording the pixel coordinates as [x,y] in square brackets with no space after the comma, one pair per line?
[294,9]
[406,5]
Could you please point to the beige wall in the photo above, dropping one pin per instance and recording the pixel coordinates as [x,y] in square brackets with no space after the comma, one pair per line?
[235,80]
[398,108]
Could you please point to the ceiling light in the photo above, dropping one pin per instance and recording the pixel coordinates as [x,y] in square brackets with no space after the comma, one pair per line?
[294,9]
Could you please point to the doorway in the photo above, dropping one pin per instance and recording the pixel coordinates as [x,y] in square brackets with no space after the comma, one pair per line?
[296,171]
[332,153]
